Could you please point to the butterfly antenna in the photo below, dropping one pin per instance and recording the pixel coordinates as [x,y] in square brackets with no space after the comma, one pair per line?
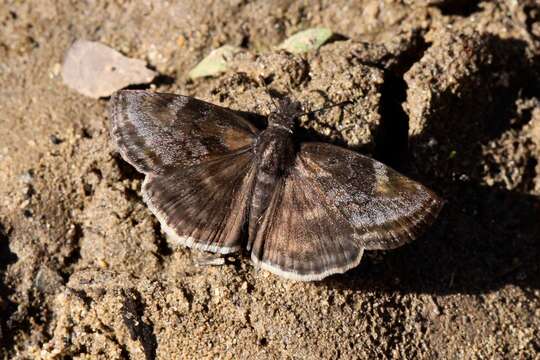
[343,103]
[274,103]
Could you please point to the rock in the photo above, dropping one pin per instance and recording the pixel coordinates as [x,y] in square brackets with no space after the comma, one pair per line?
[218,61]
[95,70]
[339,86]
[462,70]
[307,40]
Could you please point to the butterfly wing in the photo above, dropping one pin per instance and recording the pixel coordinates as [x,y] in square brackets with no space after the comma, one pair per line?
[203,206]
[198,163]
[302,237]
[157,131]
[333,204]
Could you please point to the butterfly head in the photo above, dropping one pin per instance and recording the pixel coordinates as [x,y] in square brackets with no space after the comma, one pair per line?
[285,114]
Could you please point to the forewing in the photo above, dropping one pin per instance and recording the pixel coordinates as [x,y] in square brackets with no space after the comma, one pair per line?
[333,204]
[203,206]
[155,132]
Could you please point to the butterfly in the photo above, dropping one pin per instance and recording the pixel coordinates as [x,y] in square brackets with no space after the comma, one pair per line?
[303,211]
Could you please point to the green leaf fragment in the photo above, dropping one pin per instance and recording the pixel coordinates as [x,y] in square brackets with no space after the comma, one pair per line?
[216,62]
[306,40]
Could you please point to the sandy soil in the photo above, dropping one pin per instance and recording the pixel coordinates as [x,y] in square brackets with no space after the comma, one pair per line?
[445,91]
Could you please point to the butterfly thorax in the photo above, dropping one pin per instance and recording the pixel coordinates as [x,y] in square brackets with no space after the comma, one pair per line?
[281,121]
[274,151]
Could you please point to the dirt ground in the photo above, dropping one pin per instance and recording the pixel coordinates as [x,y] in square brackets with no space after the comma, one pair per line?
[447,92]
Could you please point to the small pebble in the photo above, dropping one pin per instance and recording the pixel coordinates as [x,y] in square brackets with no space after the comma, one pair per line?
[96,70]
[55,139]
[27,176]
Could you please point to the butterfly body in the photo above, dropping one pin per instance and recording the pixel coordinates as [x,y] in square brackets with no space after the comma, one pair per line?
[273,153]
[311,209]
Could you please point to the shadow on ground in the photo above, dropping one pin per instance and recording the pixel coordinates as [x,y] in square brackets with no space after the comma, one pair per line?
[7,307]
[486,237]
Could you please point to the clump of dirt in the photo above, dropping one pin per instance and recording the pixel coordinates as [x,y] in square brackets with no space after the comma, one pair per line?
[445,91]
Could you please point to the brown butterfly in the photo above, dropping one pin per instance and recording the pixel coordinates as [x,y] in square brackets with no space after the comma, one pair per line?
[311,209]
